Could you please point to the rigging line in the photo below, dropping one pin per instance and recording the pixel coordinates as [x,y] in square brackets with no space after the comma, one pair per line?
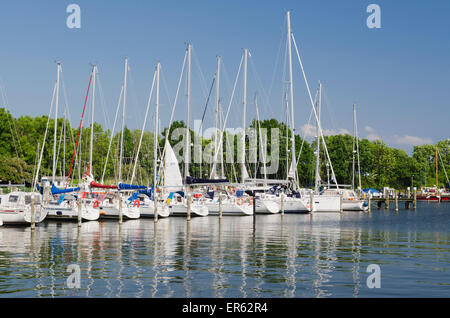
[329,110]
[67,110]
[206,106]
[79,128]
[229,107]
[176,98]
[143,126]
[261,87]
[333,176]
[43,140]
[102,100]
[278,55]
[5,101]
[443,166]
[112,136]
[203,82]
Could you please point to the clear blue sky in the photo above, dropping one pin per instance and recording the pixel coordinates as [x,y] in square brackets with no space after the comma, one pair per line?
[398,75]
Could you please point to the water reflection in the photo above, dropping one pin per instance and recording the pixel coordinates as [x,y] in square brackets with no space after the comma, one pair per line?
[319,255]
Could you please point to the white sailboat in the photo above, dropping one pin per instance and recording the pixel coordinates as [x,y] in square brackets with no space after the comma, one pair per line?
[147,205]
[15,208]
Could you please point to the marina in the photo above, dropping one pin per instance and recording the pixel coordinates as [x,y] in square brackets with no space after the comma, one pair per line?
[213,151]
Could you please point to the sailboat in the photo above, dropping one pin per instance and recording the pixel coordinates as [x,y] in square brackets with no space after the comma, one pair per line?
[15,208]
[57,203]
[177,199]
[147,204]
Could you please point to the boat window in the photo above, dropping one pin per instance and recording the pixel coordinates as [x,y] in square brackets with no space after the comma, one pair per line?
[13,198]
[27,199]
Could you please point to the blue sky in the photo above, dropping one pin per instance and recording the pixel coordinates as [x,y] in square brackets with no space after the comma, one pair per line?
[398,75]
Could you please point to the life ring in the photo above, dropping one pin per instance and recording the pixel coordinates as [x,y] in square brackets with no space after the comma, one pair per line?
[240,201]
[96,204]
[137,203]
[197,195]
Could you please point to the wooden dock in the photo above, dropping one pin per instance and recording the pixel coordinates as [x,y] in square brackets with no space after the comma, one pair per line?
[386,198]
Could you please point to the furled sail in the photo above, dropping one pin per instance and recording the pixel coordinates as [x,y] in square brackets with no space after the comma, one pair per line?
[124,186]
[172,174]
[56,190]
[94,184]
[191,180]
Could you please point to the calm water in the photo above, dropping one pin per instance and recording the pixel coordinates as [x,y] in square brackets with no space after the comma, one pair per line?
[324,255]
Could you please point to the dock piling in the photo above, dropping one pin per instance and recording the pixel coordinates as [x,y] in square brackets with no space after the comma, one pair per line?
[220,205]
[120,209]
[155,202]
[282,203]
[79,211]
[188,207]
[396,200]
[33,220]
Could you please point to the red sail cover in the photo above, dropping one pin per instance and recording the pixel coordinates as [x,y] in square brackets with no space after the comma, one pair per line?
[94,184]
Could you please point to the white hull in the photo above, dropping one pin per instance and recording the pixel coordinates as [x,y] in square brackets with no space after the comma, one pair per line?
[295,205]
[180,209]
[112,212]
[147,210]
[229,208]
[66,212]
[21,215]
[326,203]
[354,205]
[268,205]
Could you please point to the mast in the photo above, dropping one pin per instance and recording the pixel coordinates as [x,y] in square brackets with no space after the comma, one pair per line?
[357,149]
[353,151]
[94,71]
[188,135]
[123,118]
[291,94]
[437,184]
[319,106]
[155,137]
[244,103]
[56,121]
[216,120]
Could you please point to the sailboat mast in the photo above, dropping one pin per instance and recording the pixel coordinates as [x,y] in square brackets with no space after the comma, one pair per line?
[244,110]
[94,71]
[291,94]
[123,118]
[357,149]
[353,151]
[216,120]
[56,120]
[319,106]
[188,115]
[437,185]
[155,137]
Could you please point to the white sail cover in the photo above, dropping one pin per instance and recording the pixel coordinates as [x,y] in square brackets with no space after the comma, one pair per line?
[172,175]
[291,173]
[246,176]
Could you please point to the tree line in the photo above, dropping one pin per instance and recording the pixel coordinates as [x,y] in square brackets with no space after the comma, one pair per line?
[21,141]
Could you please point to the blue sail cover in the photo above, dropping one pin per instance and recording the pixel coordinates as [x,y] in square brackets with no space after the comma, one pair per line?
[147,192]
[55,190]
[41,190]
[124,186]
